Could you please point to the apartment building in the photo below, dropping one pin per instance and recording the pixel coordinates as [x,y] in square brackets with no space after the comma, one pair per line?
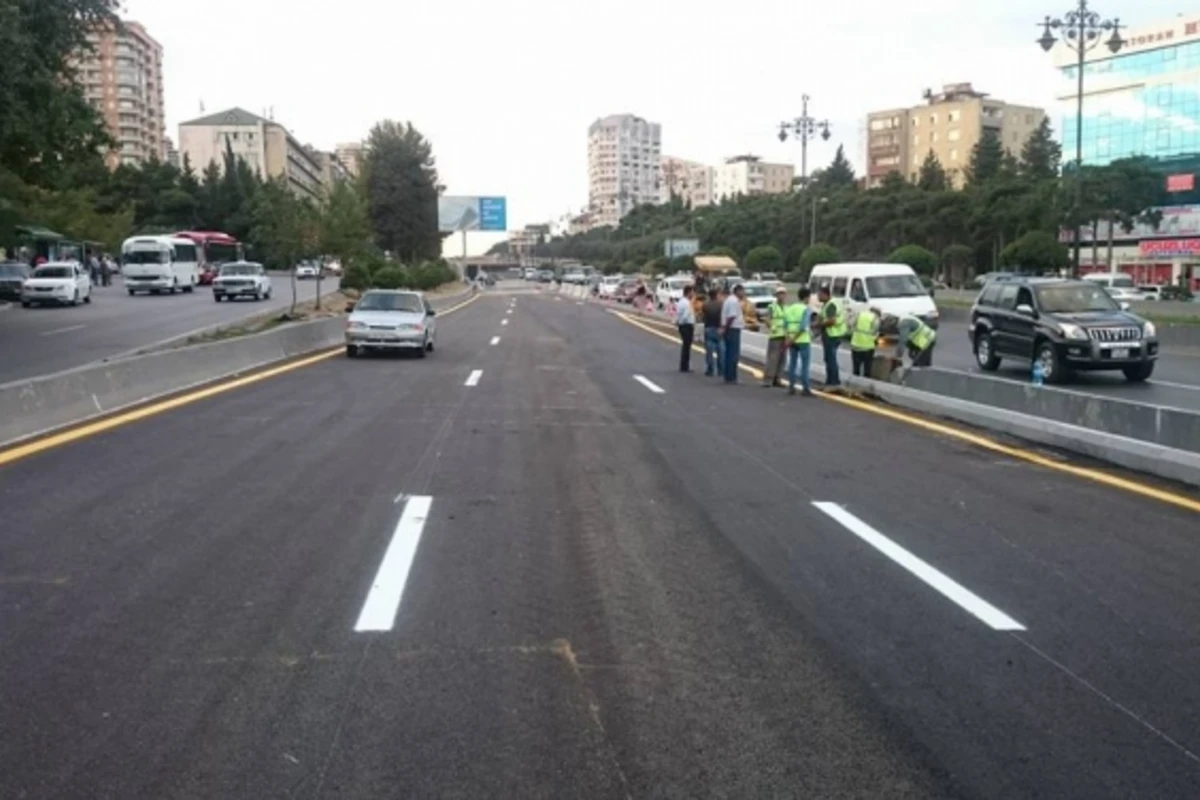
[172,153]
[949,124]
[268,147]
[122,78]
[750,175]
[624,152]
[333,171]
[690,181]
[351,154]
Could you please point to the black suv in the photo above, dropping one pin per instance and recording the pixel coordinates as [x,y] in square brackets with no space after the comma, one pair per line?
[1065,324]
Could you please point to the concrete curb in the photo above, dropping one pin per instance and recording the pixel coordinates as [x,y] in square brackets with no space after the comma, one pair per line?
[1148,457]
[36,406]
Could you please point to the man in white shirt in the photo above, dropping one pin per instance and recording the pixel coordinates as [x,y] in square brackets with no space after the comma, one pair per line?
[732,323]
[685,320]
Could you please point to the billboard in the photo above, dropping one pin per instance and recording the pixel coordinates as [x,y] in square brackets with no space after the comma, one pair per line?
[673,248]
[463,213]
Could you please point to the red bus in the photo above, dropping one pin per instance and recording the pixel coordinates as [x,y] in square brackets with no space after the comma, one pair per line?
[215,249]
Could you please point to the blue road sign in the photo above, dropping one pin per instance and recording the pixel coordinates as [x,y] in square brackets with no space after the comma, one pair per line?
[493,214]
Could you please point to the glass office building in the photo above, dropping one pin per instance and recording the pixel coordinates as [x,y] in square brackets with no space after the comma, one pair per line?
[1143,101]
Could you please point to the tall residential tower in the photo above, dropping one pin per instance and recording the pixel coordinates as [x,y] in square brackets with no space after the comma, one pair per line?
[623,166]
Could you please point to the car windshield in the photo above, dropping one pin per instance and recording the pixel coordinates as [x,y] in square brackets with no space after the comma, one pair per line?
[1074,298]
[385,301]
[145,257]
[756,290]
[1122,282]
[241,269]
[54,272]
[678,283]
[12,271]
[881,286]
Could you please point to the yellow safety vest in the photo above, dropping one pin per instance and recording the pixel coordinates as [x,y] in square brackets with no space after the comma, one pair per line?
[777,317]
[838,329]
[922,338]
[863,337]
[796,316]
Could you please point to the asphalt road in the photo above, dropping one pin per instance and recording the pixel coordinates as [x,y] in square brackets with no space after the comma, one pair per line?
[606,587]
[39,341]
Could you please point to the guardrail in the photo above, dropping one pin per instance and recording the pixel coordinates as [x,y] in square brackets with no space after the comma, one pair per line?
[1151,439]
[36,406]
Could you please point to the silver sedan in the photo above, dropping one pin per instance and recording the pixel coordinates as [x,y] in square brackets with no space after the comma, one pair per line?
[385,319]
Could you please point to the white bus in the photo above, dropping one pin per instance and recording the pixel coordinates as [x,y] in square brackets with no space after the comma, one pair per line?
[155,264]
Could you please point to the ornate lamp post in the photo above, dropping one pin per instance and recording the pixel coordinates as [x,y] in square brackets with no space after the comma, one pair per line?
[804,128]
[1081,30]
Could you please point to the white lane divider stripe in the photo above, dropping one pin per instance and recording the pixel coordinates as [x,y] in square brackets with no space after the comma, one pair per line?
[67,329]
[651,385]
[509,311]
[495,341]
[383,600]
[953,591]
[503,322]
[473,378]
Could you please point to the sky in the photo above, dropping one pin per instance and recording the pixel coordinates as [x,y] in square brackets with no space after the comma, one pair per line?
[505,90]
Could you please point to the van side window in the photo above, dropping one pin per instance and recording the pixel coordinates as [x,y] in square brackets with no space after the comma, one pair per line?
[1008,297]
[857,293]
[815,283]
[839,287]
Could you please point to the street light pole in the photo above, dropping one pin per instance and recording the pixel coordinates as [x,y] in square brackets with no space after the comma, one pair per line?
[1081,30]
[804,128]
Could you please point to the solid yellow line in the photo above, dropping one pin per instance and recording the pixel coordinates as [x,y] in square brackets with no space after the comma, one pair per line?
[1021,454]
[92,428]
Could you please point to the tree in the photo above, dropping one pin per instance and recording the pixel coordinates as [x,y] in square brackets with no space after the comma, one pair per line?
[987,158]
[345,225]
[958,262]
[815,254]
[48,132]
[921,260]
[838,175]
[400,182]
[681,264]
[932,177]
[764,258]
[1036,251]
[285,227]
[1041,156]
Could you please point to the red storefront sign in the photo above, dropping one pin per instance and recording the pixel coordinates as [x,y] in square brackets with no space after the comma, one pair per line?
[1181,183]
[1169,247]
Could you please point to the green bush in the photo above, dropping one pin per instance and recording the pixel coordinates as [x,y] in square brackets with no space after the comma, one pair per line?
[921,260]
[1036,251]
[764,258]
[391,277]
[816,254]
[358,277]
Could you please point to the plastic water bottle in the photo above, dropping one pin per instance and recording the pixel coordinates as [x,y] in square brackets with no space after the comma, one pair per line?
[1039,375]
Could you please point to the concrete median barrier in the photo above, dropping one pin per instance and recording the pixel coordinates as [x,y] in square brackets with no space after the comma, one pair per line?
[39,405]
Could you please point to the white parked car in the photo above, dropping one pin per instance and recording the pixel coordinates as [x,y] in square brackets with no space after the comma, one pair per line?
[1150,292]
[241,279]
[306,270]
[64,283]
[670,291]
[386,319]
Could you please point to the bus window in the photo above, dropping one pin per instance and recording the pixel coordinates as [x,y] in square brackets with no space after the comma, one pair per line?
[185,253]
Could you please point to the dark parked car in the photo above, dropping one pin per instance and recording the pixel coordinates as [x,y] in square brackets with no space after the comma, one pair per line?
[1067,325]
[12,275]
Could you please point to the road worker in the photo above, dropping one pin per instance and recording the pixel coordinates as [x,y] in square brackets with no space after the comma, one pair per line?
[777,346]
[863,334]
[917,339]
[833,328]
[798,319]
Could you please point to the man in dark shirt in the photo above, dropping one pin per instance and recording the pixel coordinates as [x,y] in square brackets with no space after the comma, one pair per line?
[713,349]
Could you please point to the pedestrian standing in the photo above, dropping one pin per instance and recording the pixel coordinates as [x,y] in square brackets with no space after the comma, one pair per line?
[863,334]
[685,320]
[105,271]
[714,363]
[833,330]
[94,269]
[799,335]
[777,340]
[732,323]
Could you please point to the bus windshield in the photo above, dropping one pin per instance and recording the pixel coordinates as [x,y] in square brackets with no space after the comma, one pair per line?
[145,257]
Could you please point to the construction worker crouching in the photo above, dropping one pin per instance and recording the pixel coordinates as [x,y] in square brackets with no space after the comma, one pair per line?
[777,340]
[863,334]
[917,339]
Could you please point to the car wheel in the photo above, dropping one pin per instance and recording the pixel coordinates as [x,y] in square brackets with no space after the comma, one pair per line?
[191,287]
[174,285]
[131,292]
[351,351]
[424,351]
[87,298]
[26,304]
[257,297]
[216,298]
[429,345]
[985,351]
[75,299]
[1053,370]
[1139,372]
